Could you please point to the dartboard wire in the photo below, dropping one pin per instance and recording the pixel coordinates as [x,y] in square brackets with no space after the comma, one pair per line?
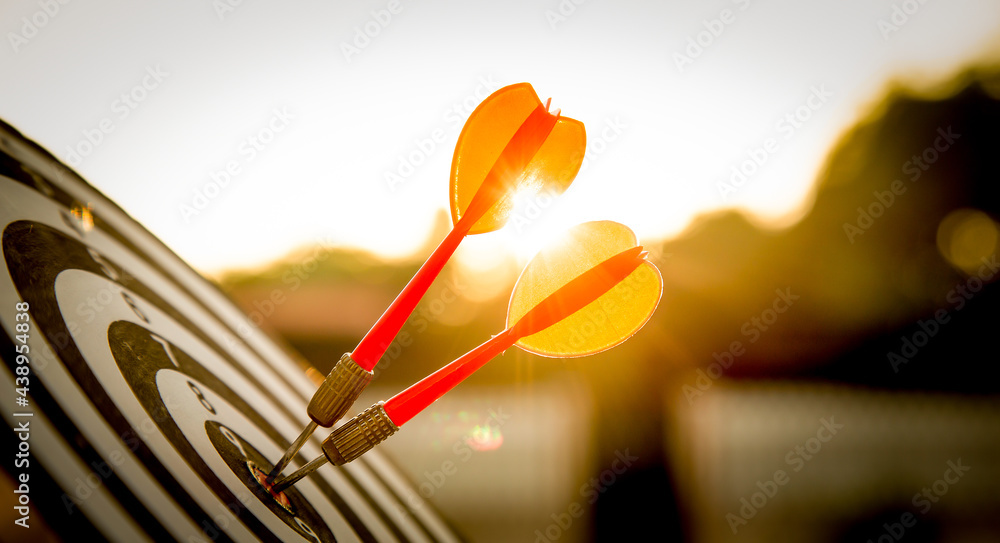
[148,391]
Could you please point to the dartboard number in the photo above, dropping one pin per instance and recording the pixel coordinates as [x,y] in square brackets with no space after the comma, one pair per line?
[237,442]
[166,348]
[106,266]
[231,437]
[243,458]
[135,307]
[201,397]
[305,528]
[72,222]
[228,434]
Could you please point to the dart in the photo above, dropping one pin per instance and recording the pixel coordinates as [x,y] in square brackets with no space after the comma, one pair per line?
[510,143]
[588,294]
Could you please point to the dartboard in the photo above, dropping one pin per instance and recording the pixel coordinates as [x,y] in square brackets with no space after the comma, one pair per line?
[141,404]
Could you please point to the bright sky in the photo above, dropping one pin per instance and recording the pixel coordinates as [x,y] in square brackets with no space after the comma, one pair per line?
[312,104]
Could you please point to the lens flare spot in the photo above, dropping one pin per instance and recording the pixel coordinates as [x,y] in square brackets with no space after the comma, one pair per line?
[484,437]
[966,237]
[315,376]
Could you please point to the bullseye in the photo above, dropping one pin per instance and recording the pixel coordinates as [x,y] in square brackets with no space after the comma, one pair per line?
[260,476]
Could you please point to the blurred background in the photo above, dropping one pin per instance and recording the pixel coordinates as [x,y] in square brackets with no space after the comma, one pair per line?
[816,183]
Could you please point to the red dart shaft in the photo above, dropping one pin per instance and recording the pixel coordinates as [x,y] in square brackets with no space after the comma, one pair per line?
[510,165]
[403,406]
[377,340]
[504,173]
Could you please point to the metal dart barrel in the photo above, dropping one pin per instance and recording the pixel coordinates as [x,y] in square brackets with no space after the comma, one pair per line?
[353,439]
[329,403]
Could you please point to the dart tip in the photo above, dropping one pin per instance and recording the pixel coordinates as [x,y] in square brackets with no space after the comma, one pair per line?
[291,451]
[282,484]
[359,435]
[269,479]
[278,486]
[279,497]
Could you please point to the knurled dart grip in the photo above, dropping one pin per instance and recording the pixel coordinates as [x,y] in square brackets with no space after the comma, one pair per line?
[338,392]
[359,435]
